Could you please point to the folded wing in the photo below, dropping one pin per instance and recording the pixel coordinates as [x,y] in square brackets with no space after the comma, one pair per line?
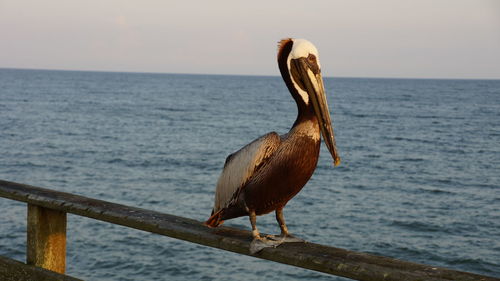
[241,166]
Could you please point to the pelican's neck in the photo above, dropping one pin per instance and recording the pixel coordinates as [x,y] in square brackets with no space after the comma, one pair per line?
[304,113]
[306,124]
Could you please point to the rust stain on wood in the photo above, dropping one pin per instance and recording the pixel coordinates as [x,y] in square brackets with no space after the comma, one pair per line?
[46,238]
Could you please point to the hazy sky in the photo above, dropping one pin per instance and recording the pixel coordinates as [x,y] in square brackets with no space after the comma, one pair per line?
[370,38]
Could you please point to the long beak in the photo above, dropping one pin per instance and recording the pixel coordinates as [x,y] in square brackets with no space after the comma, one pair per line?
[316,90]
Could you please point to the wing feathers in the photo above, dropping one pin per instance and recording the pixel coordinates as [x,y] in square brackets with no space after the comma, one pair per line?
[240,166]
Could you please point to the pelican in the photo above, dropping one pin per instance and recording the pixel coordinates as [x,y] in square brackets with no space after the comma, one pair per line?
[265,174]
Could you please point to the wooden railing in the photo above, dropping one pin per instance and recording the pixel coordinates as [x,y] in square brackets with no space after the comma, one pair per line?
[46,247]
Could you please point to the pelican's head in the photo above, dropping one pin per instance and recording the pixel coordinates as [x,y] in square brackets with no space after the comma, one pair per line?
[298,60]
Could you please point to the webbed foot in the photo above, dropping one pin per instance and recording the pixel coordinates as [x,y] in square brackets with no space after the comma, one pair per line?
[260,243]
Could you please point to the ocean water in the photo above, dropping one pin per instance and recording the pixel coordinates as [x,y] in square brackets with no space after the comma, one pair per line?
[419,179]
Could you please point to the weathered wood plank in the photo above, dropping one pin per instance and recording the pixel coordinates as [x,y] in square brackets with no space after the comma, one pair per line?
[354,265]
[46,245]
[12,270]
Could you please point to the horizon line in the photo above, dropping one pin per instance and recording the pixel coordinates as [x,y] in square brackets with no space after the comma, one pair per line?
[225,74]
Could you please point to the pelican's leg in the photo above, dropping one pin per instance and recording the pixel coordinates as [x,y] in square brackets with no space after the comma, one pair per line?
[253,222]
[281,221]
[284,236]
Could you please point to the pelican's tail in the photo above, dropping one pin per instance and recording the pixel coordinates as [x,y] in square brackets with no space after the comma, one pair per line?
[215,219]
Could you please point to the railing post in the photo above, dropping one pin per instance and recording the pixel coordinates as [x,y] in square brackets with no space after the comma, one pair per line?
[46,238]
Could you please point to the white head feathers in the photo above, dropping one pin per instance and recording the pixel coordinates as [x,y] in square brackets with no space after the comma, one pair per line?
[301,48]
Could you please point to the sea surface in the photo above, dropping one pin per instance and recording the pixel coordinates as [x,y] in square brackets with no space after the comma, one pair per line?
[419,178]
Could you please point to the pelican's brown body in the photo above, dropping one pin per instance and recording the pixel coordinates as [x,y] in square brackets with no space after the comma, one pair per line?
[285,174]
[282,176]
[265,174]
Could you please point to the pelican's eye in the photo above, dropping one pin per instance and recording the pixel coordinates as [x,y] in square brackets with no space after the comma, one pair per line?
[311,58]
[312,62]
